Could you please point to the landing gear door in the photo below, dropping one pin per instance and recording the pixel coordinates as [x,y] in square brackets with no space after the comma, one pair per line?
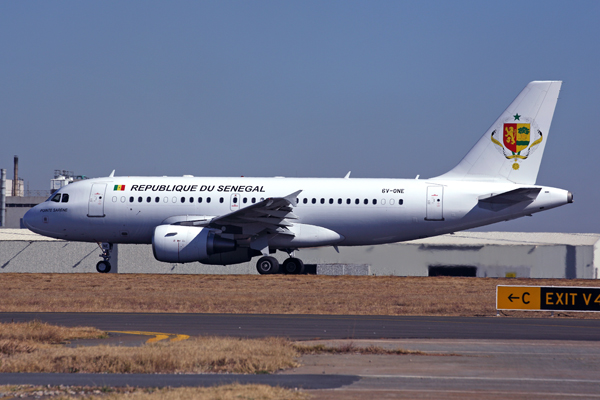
[235,202]
[435,203]
[96,203]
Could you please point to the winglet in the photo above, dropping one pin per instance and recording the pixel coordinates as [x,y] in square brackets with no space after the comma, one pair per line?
[347,175]
[112,174]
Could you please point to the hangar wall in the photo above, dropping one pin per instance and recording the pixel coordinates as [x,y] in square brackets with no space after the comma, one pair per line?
[488,254]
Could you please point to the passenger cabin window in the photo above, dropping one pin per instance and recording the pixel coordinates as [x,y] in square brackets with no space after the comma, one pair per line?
[156,199]
[322,201]
[148,199]
[65,198]
[139,199]
[374,201]
[366,201]
[56,198]
[199,199]
[253,200]
[357,201]
[348,201]
[330,201]
[191,199]
[183,200]
[305,200]
[220,200]
[400,201]
[339,201]
[245,200]
[314,201]
[131,199]
[208,199]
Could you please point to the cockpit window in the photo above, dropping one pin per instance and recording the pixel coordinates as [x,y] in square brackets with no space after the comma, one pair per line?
[65,198]
[56,198]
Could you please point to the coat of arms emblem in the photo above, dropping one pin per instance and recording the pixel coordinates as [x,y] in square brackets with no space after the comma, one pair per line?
[517,143]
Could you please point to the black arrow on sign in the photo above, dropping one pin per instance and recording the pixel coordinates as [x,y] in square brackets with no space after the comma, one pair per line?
[511,297]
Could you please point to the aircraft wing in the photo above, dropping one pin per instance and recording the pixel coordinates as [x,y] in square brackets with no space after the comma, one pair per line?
[497,202]
[271,214]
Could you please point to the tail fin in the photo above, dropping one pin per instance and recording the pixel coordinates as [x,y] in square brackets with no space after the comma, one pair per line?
[513,147]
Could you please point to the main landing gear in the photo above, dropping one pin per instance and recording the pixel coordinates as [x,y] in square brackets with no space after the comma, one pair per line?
[270,265]
[104,265]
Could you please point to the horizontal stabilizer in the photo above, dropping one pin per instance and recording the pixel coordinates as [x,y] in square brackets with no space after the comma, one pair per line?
[497,202]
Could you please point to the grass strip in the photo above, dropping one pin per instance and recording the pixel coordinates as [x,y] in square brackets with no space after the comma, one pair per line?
[224,392]
[197,355]
[295,294]
[41,332]
[351,348]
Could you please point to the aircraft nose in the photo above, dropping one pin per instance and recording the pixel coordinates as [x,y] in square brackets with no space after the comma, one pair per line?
[27,218]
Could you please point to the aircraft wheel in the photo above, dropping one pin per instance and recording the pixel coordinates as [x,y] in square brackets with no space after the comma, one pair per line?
[293,266]
[267,265]
[103,267]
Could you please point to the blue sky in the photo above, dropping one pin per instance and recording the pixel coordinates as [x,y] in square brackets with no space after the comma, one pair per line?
[385,89]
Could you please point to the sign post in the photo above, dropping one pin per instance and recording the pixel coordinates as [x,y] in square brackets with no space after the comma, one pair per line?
[547,298]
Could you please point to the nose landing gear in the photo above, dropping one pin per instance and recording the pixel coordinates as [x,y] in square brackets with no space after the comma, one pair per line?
[104,265]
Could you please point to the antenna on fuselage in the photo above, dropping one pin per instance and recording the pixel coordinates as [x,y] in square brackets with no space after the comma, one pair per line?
[112,174]
[347,175]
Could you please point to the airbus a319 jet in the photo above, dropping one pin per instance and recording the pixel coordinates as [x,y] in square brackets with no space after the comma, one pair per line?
[231,220]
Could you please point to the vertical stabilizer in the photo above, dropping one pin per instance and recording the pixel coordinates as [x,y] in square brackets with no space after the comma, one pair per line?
[513,147]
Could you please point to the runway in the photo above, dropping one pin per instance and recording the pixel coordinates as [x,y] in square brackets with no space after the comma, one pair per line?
[465,358]
[307,327]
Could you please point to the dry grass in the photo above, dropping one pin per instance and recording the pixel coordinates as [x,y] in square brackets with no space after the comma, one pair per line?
[224,392]
[364,295]
[42,332]
[27,337]
[199,355]
[351,348]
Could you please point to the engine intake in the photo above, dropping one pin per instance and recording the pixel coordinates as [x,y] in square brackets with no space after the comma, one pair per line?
[181,244]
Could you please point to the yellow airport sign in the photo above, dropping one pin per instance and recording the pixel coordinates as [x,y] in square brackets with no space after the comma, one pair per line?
[518,298]
[549,298]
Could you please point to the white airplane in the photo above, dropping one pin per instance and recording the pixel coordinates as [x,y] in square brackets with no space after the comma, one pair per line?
[230,220]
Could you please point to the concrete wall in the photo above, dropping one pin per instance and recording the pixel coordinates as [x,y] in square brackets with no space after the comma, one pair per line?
[535,260]
[16,207]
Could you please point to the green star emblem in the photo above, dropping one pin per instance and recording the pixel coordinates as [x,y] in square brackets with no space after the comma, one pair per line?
[517,117]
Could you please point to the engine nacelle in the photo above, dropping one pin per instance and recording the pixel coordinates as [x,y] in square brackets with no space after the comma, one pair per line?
[181,244]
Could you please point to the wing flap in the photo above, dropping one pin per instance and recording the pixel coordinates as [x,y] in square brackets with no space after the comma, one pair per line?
[271,214]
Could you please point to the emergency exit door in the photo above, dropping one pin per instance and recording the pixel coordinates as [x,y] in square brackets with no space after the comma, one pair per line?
[96,203]
[435,203]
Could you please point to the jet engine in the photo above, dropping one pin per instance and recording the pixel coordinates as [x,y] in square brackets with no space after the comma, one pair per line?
[182,244]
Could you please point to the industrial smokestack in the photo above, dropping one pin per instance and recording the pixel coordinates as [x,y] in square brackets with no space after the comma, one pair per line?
[2,197]
[16,180]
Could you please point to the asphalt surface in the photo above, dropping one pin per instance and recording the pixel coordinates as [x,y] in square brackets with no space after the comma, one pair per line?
[307,327]
[467,358]
[301,381]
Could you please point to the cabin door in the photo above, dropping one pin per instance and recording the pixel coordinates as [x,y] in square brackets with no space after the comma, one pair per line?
[435,203]
[96,203]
